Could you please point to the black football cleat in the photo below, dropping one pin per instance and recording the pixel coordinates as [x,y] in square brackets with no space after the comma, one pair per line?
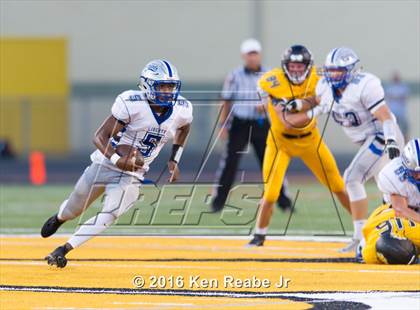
[57,257]
[216,206]
[284,203]
[51,226]
[258,240]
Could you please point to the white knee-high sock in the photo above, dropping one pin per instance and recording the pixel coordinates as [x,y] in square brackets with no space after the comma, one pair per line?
[91,228]
[358,229]
[60,215]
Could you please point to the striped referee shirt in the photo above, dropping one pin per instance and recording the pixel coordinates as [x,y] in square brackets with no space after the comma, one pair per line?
[240,87]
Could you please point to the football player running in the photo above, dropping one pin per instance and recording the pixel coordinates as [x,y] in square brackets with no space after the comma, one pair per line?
[297,79]
[392,232]
[355,100]
[144,119]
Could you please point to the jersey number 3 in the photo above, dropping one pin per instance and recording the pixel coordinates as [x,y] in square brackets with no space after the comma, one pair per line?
[149,143]
[348,119]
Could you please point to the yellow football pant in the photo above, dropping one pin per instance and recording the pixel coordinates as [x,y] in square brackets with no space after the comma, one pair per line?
[376,224]
[313,152]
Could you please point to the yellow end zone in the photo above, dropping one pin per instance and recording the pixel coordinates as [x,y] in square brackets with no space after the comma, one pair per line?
[28,300]
[185,272]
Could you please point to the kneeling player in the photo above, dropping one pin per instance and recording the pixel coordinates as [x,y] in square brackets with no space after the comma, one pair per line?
[144,119]
[392,232]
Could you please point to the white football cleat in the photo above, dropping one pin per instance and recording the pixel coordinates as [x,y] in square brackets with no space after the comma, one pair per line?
[351,246]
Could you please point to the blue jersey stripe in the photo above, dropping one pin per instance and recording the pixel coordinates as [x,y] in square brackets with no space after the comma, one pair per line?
[416,142]
[375,150]
[169,68]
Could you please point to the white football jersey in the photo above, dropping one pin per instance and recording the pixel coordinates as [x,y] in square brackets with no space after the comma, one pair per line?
[391,180]
[353,111]
[145,130]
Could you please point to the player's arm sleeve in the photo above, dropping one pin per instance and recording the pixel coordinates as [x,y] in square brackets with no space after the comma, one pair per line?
[262,88]
[262,95]
[120,110]
[324,105]
[321,87]
[386,183]
[229,87]
[373,96]
[187,115]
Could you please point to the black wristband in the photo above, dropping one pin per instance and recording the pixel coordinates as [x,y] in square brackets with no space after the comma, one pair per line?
[175,149]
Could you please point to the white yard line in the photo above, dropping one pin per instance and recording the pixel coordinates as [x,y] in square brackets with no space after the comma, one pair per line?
[234,237]
[376,300]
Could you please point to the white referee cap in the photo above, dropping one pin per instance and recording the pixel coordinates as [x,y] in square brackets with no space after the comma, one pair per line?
[250,45]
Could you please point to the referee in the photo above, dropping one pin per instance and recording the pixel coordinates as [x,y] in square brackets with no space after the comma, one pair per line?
[246,124]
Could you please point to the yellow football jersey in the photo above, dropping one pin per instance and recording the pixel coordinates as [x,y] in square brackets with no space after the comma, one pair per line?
[280,149]
[278,87]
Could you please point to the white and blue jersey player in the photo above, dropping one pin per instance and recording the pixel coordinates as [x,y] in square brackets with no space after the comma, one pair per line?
[145,119]
[356,102]
[392,232]
[401,177]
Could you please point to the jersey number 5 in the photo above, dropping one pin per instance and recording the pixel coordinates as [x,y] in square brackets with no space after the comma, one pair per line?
[149,143]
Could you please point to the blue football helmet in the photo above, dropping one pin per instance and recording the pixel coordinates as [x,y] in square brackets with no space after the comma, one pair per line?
[154,76]
[411,161]
[340,67]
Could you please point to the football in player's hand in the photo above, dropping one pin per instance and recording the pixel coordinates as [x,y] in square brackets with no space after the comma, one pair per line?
[131,153]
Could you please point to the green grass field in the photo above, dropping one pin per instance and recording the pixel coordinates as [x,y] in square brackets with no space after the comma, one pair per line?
[25,208]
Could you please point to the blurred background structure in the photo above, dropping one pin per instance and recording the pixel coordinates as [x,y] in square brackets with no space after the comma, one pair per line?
[62,63]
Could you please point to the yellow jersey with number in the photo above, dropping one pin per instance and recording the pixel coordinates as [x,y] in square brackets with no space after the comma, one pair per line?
[276,87]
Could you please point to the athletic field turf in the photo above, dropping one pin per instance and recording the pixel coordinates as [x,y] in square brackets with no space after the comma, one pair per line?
[25,208]
[194,272]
